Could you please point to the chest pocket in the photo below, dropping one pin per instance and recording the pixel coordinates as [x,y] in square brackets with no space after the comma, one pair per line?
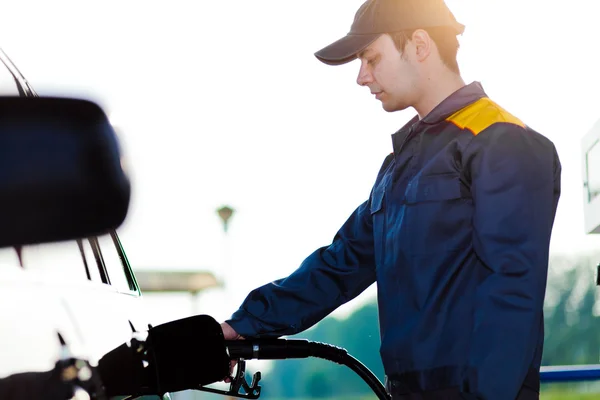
[438,214]
[438,187]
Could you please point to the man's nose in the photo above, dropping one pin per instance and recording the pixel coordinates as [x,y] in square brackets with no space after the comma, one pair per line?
[364,76]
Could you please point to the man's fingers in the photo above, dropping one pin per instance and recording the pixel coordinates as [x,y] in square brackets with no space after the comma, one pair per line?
[230,334]
[232,365]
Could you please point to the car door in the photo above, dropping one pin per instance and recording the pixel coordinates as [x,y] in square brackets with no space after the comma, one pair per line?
[104,299]
[83,290]
[93,281]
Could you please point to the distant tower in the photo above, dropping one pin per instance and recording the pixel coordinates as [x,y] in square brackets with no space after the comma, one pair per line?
[225,213]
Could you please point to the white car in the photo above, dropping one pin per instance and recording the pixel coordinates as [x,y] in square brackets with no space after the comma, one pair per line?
[67,291]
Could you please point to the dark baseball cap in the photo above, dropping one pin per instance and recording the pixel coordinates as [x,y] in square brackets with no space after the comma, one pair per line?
[376,17]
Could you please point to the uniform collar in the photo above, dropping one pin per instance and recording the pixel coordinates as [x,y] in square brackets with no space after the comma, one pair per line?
[458,100]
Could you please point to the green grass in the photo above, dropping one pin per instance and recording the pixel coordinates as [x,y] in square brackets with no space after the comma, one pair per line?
[553,394]
[569,396]
[562,393]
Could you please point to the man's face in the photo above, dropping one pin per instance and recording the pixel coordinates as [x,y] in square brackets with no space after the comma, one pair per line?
[390,76]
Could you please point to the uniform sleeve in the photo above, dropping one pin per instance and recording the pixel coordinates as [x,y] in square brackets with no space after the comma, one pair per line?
[328,278]
[515,185]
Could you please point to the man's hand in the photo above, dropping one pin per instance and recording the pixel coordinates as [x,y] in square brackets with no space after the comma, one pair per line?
[230,334]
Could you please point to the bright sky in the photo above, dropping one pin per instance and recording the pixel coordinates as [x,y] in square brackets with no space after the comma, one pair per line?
[223,102]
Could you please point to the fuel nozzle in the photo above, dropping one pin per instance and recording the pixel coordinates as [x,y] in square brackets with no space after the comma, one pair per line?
[192,353]
[178,355]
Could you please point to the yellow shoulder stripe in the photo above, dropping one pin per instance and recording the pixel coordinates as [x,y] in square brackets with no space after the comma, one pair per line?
[482,114]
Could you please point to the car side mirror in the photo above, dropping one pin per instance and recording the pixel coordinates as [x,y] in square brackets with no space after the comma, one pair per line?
[61,176]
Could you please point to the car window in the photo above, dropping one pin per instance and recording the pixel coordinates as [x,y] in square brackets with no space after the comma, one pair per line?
[63,259]
[115,266]
[92,263]
[97,259]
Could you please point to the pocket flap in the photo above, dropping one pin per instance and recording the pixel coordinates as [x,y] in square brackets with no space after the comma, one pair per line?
[377,199]
[434,188]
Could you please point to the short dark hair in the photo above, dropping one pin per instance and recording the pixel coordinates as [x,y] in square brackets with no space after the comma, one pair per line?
[445,39]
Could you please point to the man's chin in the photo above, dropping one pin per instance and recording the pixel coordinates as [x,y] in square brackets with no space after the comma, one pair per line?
[392,107]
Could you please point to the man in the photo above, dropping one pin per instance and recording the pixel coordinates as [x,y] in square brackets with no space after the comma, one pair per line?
[455,231]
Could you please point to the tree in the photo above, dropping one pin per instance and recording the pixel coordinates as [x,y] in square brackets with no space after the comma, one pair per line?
[572,321]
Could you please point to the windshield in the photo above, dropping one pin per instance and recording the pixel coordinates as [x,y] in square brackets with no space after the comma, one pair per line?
[8,87]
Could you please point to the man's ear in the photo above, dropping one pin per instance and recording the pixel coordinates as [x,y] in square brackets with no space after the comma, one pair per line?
[423,44]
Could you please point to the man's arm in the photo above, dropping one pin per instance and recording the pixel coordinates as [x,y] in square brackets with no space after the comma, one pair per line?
[328,278]
[515,177]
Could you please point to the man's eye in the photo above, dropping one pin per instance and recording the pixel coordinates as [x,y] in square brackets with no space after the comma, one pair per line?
[371,61]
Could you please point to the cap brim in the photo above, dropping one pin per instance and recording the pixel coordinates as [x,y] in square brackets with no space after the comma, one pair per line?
[345,50]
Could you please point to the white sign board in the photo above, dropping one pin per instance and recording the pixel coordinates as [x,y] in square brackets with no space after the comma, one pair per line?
[591,179]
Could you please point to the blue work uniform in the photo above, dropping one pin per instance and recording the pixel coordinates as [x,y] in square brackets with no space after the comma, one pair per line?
[456,234]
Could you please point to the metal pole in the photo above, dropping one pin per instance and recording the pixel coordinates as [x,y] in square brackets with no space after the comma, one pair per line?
[225,213]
